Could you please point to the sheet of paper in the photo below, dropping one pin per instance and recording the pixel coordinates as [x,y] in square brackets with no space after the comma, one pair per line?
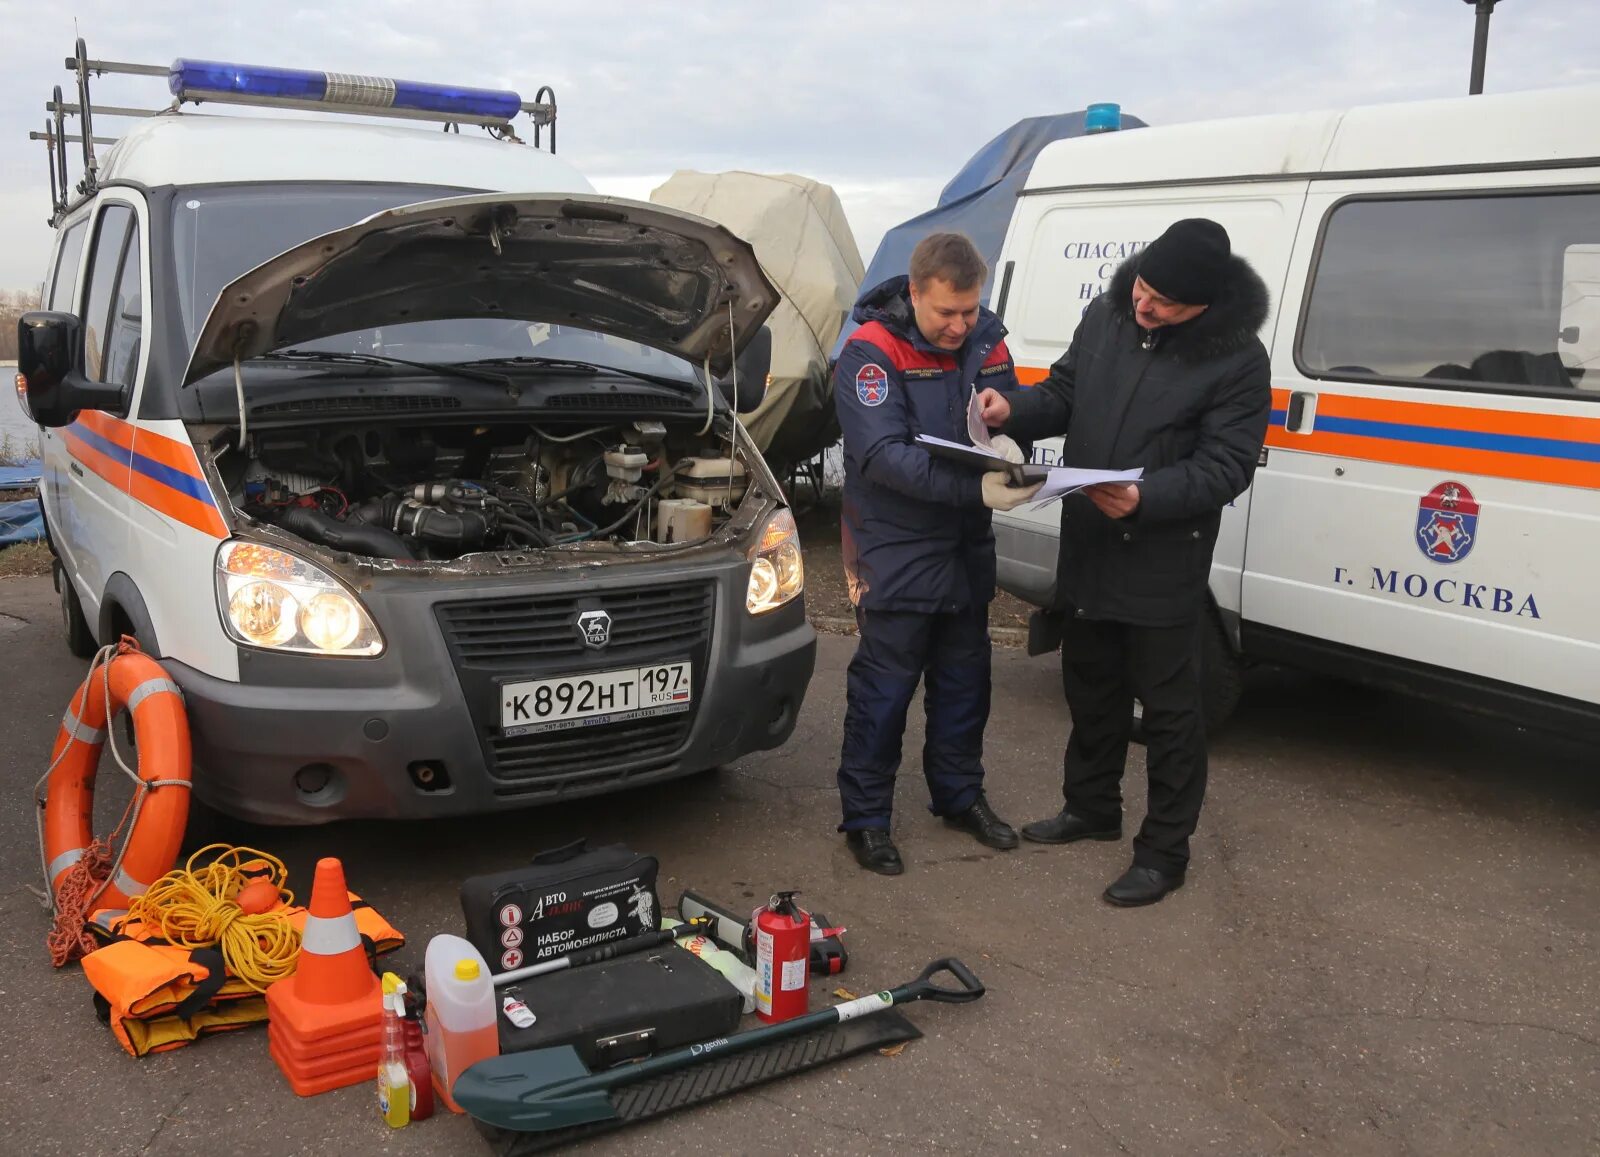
[976,429]
[1065,480]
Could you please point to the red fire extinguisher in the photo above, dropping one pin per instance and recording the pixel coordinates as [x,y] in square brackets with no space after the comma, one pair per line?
[783,958]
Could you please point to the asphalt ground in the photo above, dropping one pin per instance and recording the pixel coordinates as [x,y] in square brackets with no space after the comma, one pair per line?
[1386,945]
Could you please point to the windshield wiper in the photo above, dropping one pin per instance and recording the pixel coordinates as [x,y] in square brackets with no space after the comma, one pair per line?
[525,360]
[449,369]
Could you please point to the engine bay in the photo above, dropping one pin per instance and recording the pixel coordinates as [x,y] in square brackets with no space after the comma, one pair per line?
[441,491]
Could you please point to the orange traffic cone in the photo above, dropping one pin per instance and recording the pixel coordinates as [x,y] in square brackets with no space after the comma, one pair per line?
[326,1021]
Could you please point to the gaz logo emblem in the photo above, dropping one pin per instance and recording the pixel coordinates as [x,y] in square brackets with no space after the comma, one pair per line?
[1447,522]
[595,627]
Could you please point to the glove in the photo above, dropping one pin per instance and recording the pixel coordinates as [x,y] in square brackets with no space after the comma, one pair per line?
[1006,446]
[999,496]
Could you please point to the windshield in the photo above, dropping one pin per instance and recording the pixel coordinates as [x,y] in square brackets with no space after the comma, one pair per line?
[220,232]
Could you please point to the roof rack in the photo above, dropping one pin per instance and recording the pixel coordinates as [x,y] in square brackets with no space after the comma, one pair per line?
[201,81]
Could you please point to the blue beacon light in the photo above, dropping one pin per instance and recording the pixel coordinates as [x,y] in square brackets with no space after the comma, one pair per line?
[201,80]
[1102,118]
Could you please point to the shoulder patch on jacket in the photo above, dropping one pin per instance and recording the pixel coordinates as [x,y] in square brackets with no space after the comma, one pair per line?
[872,384]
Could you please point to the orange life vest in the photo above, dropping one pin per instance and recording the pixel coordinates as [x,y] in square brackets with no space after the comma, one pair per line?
[158,996]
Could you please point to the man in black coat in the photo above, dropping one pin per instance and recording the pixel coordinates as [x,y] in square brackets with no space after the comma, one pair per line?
[1165,372]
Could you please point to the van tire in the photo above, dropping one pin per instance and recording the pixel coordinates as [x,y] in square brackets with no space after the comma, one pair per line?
[80,640]
[1221,679]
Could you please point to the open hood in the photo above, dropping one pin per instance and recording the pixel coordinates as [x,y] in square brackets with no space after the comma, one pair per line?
[626,268]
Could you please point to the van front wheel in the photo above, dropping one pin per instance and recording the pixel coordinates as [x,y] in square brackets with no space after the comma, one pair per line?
[80,640]
[1221,679]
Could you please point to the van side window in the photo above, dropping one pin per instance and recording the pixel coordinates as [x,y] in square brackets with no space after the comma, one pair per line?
[64,284]
[105,270]
[1496,292]
[127,316]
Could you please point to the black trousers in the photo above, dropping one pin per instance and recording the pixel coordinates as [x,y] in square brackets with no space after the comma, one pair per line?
[1103,666]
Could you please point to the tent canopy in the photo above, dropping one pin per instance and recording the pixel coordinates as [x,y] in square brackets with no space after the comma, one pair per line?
[803,241]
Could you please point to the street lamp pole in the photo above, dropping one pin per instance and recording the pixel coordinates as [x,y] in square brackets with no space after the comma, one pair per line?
[1480,43]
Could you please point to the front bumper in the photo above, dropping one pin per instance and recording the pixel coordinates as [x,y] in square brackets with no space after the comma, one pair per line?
[414,733]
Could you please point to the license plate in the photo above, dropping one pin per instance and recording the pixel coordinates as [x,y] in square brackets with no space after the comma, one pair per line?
[535,705]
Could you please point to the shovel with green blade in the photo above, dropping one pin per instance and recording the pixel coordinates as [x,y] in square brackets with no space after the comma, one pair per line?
[544,1089]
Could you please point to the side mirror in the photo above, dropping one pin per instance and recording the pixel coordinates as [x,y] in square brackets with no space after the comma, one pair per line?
[49,360]
[752,366]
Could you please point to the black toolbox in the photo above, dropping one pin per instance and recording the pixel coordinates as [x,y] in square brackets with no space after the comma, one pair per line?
[622,1009]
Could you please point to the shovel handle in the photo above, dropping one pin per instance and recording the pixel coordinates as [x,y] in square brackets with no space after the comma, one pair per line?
[924,988]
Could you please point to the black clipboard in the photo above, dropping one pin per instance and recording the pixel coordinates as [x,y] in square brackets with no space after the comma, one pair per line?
[1017,473]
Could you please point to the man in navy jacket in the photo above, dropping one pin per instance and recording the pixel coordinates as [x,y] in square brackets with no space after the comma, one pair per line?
[918,546]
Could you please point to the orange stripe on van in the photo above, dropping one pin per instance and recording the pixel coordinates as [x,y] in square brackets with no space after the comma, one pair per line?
[1553,448]
[1031,375]
[159,472]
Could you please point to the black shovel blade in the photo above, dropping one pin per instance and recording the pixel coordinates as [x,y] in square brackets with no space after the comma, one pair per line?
[533,1091]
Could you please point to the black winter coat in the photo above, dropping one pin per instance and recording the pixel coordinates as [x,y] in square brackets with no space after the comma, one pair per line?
[1192,411]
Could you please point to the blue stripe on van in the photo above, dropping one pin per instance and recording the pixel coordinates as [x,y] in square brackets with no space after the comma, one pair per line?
[1464,439]
[164,474]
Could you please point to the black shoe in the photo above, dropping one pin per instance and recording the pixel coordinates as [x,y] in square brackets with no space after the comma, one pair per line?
[1141,885]
[1066,827]
[989,829]
[875,851]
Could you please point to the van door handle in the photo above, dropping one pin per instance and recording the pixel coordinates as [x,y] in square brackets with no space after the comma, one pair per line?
[1298,421]
[76,469]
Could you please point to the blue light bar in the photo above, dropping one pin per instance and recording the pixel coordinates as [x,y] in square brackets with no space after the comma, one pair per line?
[202,80]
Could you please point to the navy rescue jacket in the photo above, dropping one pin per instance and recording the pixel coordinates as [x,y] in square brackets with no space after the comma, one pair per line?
[916,535]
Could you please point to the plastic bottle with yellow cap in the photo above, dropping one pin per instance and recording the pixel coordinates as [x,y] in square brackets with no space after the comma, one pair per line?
[461,1029]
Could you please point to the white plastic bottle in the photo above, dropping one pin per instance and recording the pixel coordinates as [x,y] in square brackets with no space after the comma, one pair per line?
[461,1030]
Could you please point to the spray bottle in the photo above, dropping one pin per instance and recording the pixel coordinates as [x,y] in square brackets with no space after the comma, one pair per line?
[735,971]
[394,1083]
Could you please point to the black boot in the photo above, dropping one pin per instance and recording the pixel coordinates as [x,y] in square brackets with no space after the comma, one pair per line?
[875,851]
[989,829]
[1140,885]
[1066,827]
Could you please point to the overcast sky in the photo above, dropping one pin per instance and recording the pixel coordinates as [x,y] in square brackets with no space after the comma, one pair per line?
[884,101]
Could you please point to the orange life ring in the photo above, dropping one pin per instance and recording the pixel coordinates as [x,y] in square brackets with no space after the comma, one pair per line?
[136,683]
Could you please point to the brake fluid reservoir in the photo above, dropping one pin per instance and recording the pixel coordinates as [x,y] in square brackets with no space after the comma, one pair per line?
[717,482]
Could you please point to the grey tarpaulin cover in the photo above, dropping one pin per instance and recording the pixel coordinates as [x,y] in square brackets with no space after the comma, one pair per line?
[799,232]
[978,201]
[21,520]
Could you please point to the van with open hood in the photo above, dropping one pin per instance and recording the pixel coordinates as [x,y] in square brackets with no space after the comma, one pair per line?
[415,462]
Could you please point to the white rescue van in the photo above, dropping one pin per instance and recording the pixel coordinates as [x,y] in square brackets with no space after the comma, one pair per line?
[1426,514]
[415,462]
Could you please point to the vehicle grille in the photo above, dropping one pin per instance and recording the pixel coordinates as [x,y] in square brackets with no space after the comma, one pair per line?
[587,753]
[493,640]
[520,636]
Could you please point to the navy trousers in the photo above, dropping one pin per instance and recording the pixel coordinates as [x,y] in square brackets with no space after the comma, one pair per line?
[897,650]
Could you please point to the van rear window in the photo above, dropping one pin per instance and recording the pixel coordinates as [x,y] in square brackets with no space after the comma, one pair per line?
[1495,292]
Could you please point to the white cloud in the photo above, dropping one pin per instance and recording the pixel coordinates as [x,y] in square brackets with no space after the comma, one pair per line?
[883,100]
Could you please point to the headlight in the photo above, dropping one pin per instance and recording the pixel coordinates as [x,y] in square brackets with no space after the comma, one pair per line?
[273,599]
[777,572]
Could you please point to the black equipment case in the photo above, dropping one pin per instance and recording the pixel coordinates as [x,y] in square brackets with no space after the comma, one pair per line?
[623,1009]
[565,900]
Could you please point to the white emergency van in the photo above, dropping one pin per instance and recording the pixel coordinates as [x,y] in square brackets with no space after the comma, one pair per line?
[1426,513]
[415,462]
